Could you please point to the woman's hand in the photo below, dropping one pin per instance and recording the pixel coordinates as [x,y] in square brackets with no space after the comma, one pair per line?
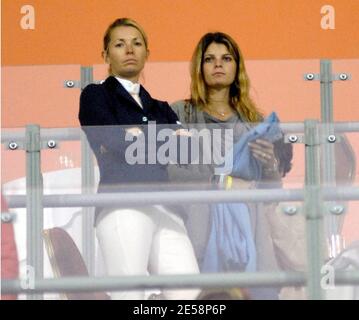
[135,131]
[238,183]
[182,132]
[263,151]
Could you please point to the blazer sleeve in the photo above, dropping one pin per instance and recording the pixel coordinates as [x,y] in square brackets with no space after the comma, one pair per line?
[98,122]
[184,141]
[94,109]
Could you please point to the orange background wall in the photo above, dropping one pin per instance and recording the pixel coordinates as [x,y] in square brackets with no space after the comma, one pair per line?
[280,40]
[70,31]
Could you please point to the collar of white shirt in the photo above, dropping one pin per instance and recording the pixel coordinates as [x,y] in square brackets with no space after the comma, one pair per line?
[131,88]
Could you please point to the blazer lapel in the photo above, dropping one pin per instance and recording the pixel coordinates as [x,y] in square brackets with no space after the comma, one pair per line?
[146,99]
[121,93]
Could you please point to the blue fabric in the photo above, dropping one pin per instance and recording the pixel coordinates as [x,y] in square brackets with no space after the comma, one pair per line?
[231,244]
[245,165]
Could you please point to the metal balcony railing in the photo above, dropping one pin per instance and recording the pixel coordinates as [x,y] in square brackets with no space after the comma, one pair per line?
[316,191]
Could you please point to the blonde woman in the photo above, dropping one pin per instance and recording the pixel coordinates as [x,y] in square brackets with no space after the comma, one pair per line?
[134,241]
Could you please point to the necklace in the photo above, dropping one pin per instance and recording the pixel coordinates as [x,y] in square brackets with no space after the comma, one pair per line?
[221,113]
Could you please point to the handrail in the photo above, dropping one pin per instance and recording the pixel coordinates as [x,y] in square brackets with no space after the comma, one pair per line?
[174,197]
[70,134]
[223,280]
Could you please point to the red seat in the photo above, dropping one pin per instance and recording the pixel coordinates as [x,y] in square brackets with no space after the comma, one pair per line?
[8,251]
[66,261]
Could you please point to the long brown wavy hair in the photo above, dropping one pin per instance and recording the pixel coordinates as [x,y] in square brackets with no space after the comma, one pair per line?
[239,90]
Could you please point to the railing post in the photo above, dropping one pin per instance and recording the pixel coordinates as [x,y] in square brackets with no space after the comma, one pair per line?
[328,161]
[34,193]
[88,181]
[313,209]
[326,91]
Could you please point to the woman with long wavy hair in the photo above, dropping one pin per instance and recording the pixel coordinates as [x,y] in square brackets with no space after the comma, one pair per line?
[219,98]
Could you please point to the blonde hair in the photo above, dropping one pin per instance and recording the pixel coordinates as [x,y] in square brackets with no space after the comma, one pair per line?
[122,22]
[239,90]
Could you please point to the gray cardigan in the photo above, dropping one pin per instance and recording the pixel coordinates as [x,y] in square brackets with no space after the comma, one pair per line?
[190,118]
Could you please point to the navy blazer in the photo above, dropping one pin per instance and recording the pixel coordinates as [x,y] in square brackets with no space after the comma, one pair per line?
[106,110]
[103,109]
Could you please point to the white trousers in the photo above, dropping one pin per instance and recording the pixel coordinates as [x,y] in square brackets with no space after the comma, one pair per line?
[139,241]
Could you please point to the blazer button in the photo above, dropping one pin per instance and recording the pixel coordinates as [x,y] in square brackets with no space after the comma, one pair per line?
[144,119]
